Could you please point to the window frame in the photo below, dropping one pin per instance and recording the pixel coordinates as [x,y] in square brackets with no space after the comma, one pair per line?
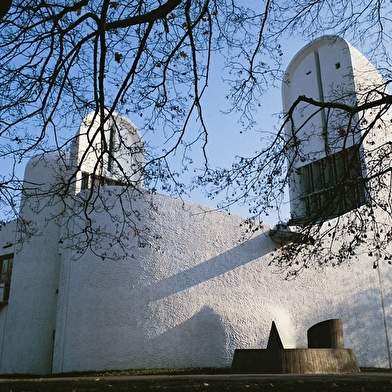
[6,276]
[331,186]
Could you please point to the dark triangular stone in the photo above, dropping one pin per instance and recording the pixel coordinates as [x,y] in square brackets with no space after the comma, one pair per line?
[274,340]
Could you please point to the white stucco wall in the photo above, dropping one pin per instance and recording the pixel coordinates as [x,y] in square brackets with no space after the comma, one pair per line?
[200,294]
[329,69]
[7,246]
[190,299]
[30,315]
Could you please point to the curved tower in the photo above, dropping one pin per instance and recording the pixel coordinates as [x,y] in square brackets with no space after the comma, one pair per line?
[108,154]
[323,85]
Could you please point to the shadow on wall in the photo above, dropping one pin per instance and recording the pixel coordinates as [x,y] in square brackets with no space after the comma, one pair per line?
[200,339]
[226,262]
[181,323]
[366,333]
[363,324]
[143,322]
[360,310]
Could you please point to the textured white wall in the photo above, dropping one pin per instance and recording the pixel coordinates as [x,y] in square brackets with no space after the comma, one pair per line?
[7,244]
[200,295]
[346,75]
[30,315]
[190,300]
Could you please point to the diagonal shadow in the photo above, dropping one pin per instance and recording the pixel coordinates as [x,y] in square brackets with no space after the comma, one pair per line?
[233,258]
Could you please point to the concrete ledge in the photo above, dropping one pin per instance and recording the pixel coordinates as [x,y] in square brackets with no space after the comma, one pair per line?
[295,361]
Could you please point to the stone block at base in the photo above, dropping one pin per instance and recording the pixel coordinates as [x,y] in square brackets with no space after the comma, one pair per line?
[295,361]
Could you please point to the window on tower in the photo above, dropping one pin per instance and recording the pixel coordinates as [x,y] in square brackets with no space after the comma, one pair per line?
[330,186]
[91,180]
[5,277]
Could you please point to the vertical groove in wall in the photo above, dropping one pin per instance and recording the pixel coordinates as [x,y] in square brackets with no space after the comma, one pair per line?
[321,99]
[60,352]
[65,321]
[3,338]
[384,318]
[52,353]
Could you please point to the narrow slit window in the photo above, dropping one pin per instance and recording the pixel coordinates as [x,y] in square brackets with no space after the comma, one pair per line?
[111,148]
[6,263]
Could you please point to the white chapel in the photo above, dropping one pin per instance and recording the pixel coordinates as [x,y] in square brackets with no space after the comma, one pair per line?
[145,280]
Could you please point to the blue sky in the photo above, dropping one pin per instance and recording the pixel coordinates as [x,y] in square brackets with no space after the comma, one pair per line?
[226,139]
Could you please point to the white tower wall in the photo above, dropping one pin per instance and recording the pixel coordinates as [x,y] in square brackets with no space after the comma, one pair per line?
[329,70]
[30,315]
